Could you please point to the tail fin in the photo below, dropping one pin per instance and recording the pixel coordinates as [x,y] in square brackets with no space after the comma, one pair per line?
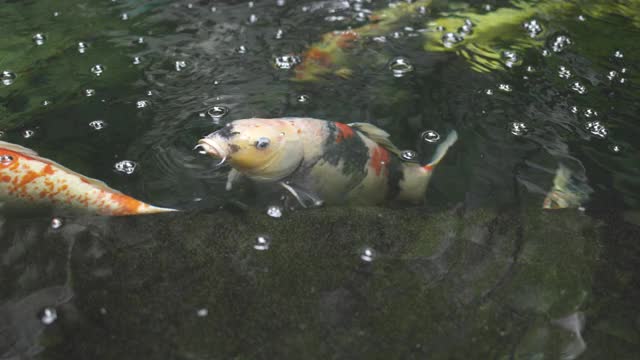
[441,150]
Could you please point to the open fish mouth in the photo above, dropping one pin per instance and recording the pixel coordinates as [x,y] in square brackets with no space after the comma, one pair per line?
[211,147]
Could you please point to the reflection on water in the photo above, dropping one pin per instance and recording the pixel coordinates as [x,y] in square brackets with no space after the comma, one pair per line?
[122,90]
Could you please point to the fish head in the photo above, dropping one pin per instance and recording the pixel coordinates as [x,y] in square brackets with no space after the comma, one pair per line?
[263,149]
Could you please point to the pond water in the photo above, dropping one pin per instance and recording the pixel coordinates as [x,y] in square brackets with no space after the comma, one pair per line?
[121,91]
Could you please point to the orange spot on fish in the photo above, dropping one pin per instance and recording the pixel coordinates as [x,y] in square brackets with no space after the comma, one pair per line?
[48,170]
[344,132]
[428,167]
[6,178]
[126,204]
[379,159]
[43,194]
[346,38]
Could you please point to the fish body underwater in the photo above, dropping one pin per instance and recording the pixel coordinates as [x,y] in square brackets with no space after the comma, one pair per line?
[320,161]
[27,179]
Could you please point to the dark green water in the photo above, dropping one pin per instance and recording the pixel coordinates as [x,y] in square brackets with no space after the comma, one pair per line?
[481,271]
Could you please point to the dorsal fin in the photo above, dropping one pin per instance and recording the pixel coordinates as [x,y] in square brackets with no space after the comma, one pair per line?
[31,153]
[376,134]
[17,148]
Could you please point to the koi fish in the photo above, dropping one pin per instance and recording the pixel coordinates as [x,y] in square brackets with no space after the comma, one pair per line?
[26,178]
[567,191]
[320,161]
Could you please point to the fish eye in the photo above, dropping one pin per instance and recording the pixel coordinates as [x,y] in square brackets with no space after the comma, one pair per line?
[262,143]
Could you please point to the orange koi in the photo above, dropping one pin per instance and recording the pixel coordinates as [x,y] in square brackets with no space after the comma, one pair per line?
[27,178]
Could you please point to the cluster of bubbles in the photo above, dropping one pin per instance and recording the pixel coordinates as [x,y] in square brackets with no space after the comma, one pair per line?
[89,92]
[518,128]
[141,104]
[450,39]
[559,43]
[125,167]
[400,67]
[597,129]
[533,28]
[564,73]
[505,87]
[510,58]
[287,62]
[579,88]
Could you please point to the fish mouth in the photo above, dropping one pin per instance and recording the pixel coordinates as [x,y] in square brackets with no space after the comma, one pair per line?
[211,147]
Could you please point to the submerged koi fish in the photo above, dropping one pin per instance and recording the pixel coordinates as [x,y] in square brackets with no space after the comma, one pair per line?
[26,178]
[568,191]
[322,161]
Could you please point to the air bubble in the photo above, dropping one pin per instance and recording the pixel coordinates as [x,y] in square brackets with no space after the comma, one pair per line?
[124,16]
[46,102]
[253,18]
[126,167]
[28,134]
[141,104]
[286,62]
[488,92]
[82,47]
[202,312]
[217,112]
[89,92]
[241,49]
[39,39]
[180,64]
[430,136]
[590,113]
[618,54]
[97,69]
[262,243]
[98,124]
[582,18]
[137,60]
[408,155]
[367,254]
[303,99]
[56,223]
[400,66]
[279,34]
[48,316]
[615,148]
[7,77]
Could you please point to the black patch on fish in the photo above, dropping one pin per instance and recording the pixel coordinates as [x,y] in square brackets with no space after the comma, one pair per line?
[396,175]
[226,132]
[234,148]
[352,151]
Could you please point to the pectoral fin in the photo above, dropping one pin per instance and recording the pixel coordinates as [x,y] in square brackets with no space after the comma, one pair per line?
[303,196]
[233,176]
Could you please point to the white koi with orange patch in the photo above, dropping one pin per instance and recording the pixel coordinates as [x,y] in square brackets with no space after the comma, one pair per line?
[27,178]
